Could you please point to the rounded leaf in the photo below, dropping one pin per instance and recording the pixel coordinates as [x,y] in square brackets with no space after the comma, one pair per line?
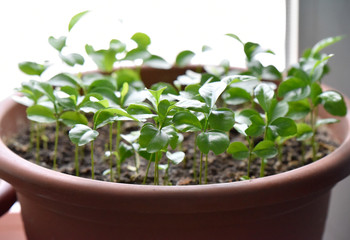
[41,114]
[71,118]
[222,119]
[176,157]
[333,102]
[284,126]
[81,134]
[184,58]
[212,141]
[265,149]
[152,138]
[238,150]
[186,122]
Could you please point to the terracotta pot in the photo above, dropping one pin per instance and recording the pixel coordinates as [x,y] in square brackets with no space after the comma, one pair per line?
[291,205]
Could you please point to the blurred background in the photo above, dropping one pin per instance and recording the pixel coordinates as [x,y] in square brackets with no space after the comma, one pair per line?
[284,26]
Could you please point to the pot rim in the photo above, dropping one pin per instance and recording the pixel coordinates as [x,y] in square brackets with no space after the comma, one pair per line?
[316,177]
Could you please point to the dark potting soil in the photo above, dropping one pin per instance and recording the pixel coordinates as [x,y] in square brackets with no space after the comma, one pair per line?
[222,168]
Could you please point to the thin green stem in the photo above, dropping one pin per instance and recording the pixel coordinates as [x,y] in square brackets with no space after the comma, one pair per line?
[262,167]
[110,152]
[76,159]
[200,168]
[147,170]
[206,170]
[195,159]
[92,161]
[250,156]
[31,135]
[156,169]
[37,144]
[56,144]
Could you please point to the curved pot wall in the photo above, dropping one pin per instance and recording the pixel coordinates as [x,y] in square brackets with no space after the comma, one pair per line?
[291,205]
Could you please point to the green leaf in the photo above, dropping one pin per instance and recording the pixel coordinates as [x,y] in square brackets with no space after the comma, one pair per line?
[75,19]
[81,134]
[222,119]
[176,157]
[211,92]
[236,96]
[155,61]
[277,109]
[270,72]
[72,59]
[184,58]
[212,141]
[104,59]
[186,121]
[107,93]
[293,89]
[252,49]
[299,109]
[169,89]
[41,114]
[142,40]
[154,98]
[66,79]
[257,126]
[324,43]
[324,121]
[152,138]
[117,46]
[264,94]
[137,53]
[304,132]
[235,37]
[238,150]
[108,115]
[58,43]
[101,83]
[71,118]
[284,127]
[125,151]
[265,149]
[32,68]
[47,90]
[316,91]
[333,102]
[173,136]
[68,103]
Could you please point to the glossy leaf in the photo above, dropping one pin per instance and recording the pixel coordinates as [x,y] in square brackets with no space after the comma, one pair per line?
[333,102]
[324,43]
[304,132]
[212,141]
[186,122]
[238,150]
[293,89]
[298,110]
[155,61]
[142,40]
[234,36]
[66,79]
[257,126]
[222,119]
[75,19]
[184,58]
[117,46]
[211,92]
[32,68]
[284,126]
[176,157]
[58,43]
[324,121]
[265,149]
[41,114]
[236,96]
[81,134]
[152,138]
[277,109]
[71,118]
[72,59]
[108,115]
[264,94]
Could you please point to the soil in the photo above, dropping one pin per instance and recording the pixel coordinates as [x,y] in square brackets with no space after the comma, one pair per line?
[222,168]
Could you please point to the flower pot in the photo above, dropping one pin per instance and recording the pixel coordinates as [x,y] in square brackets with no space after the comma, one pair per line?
[290,205]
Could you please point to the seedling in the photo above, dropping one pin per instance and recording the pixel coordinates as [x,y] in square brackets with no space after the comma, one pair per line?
[214,106]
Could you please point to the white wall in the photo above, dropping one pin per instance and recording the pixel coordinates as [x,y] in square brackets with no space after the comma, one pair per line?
[173,26]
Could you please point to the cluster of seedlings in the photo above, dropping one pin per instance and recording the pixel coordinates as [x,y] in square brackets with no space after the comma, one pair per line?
[258,103]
